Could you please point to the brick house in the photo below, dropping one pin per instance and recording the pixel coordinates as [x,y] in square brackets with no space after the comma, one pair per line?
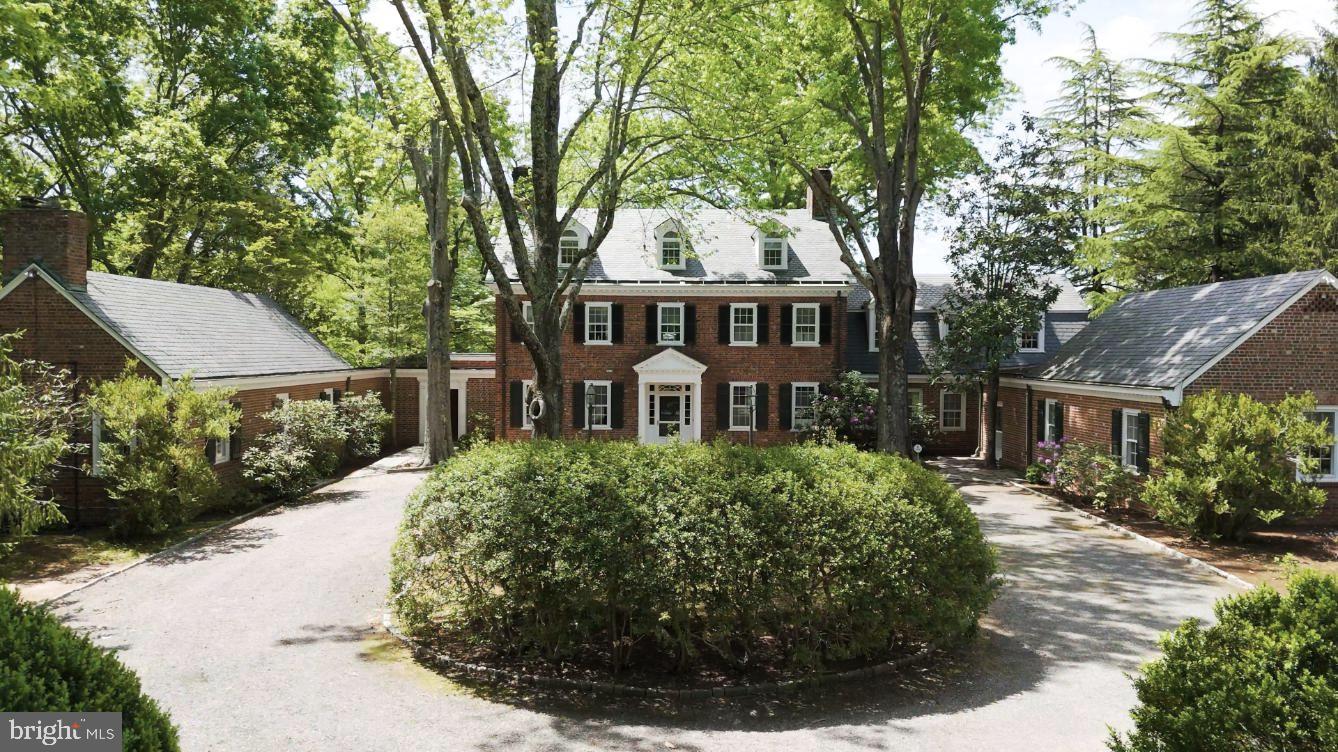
[92,323]
[1113,383]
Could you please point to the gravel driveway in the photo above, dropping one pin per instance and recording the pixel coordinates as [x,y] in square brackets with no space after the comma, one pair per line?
[264,637]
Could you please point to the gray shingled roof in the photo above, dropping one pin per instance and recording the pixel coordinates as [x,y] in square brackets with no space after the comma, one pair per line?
[1159,338]
[724,248]
[932,288]
[210,332]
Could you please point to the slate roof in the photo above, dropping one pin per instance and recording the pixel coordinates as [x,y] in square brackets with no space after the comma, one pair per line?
[932,288]
[1159,338]
[724,248]
[210,332]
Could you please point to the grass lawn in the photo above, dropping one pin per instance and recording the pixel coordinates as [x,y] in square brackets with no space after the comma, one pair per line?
[56,555]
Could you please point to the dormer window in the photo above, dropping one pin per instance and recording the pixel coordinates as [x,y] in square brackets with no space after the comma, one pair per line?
[1031,340]
[671,250]
[569,247]
[773,252]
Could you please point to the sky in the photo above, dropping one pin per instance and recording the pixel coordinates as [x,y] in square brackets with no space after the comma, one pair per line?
[1127,29]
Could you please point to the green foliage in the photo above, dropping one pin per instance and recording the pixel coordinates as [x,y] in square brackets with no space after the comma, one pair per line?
[690,552]
[1037,473]
[46,666]
[1231,464]
[364,420]
[1091,473]
[303,447]
[1264,677]
[153,461]
[37,419]
[482,430]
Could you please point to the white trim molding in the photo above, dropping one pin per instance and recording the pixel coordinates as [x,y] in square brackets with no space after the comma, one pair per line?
[1114,391]
[688,288]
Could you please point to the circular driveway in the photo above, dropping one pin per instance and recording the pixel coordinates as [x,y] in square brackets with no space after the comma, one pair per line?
[265,636]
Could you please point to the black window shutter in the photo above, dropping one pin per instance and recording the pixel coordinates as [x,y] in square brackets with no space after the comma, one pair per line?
[723,334]
[825,324]
[760,401]
[787,316]
[786,401]
[578,323]
[515,330]
[578,404]
[652,324]
[689,324]
[325,396]
[1116,432]
[858,328]
[617,323]
[1041,421]
[763,326]
[722,405]
[235,438]
[616,405]
[1059,420]
[517,404]
[338,396]
[1144,441]
[211,450]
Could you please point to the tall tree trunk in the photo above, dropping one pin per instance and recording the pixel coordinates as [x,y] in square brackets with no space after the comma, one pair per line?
[440,442]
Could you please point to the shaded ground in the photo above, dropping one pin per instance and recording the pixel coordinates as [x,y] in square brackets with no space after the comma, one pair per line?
[265,637]
[1259,559]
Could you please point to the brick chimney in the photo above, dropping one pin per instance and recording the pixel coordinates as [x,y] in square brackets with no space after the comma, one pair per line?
[817,205]
[41,230]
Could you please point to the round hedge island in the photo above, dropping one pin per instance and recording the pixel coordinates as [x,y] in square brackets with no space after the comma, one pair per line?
[691,563]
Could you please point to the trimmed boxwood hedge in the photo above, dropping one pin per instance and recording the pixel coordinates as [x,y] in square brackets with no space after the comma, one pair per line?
[689,552]
[1263,678]
[45,666]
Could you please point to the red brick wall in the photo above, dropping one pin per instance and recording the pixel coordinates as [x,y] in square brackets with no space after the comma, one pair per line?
[57,238]
[1086,419]
[772,363]
[958,442]
[1294,353]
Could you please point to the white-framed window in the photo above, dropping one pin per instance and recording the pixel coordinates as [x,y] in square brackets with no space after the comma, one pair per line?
[801,405]
[95,446]
[671,250]
[805,325]
[670,325]
[1032,340]
[526,396]
[597,398]
[773,252]
[916,397]
[951,411]
[281,399]
[1325,470]
[1051,429]
[327,394]
[741,401]
[569,247]
[873,326]
[599,323]
[743,323]
[527,312]
[222,450]
[1129,439]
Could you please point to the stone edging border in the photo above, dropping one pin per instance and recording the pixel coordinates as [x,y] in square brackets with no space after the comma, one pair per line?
[624,690]
[1163,548]
[243,517]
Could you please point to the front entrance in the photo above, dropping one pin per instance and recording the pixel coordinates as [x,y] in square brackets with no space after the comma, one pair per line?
[670,411]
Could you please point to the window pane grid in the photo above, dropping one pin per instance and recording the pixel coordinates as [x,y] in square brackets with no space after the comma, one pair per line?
[671,324]
[597,323]
[598,400]
[744,324]
[805,324]
[773,252]
[1324,455]
[952,410]
[803,406]
[741,406]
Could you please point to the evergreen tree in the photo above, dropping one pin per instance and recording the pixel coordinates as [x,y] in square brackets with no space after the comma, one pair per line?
[1194,214]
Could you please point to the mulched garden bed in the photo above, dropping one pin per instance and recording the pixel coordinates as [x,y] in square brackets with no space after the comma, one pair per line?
[1257,559]
[647,667]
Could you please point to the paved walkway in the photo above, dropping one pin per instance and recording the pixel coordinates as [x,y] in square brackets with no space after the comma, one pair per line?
[264,637]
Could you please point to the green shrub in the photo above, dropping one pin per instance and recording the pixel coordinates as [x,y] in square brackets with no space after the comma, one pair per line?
[37,419]
[480,432]
[847,409]
[364,420]
[1231,464]
[689,550]
[1264,678]
[44,666]
[1038,473]
[153,462]
[1093,474]
[302,448]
